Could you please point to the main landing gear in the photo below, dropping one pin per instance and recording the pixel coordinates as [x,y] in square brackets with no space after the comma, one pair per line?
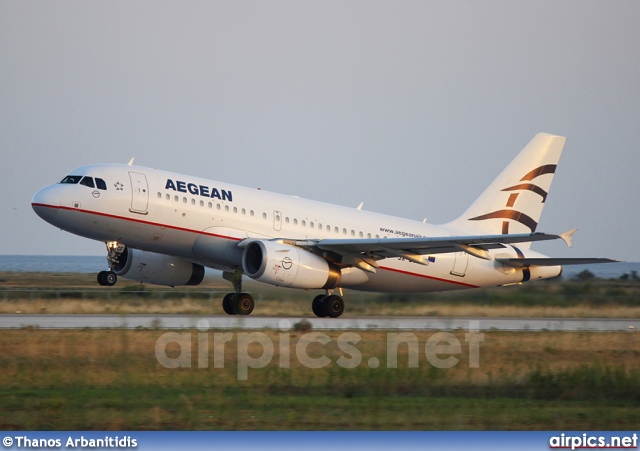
[329,305]
[237,303]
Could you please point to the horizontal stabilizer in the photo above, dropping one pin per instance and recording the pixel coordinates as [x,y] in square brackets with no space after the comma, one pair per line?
[526,262]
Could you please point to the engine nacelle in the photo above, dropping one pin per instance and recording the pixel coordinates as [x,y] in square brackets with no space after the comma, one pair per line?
[157,269]
[544,272]
[288,266]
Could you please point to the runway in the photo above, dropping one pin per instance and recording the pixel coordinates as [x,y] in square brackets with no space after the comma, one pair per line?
[203,322]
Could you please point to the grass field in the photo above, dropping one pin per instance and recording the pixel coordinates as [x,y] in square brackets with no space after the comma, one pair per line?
[111,379]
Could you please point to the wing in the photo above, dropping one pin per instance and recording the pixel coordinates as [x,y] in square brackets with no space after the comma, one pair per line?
[363,253]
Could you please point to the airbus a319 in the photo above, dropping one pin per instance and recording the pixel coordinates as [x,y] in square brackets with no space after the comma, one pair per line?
[165,228]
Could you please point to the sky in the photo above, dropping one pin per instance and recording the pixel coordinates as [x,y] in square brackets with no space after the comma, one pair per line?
[410,106]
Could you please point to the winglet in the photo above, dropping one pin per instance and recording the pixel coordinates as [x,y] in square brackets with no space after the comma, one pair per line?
[130,163]
[567,236]
[359,207]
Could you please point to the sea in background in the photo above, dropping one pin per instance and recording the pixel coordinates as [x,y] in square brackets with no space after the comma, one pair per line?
[95,264]
[53,263]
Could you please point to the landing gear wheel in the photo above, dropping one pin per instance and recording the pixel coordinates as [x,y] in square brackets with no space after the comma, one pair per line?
[111,278]
[227,304]
[333,306]
[107,278]
[318,306]
[242,303]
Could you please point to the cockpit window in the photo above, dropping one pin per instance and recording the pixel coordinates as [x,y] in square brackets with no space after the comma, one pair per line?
[87,181]
[73,179]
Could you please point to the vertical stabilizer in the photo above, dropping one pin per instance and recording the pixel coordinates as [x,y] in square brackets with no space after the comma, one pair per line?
[513,202]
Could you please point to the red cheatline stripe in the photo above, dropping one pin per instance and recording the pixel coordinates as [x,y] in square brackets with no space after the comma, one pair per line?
[139,221]
[428,277]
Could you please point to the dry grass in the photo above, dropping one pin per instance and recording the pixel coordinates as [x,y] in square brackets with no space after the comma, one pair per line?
[98,351]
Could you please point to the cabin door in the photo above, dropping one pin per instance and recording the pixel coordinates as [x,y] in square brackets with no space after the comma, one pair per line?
[139,193]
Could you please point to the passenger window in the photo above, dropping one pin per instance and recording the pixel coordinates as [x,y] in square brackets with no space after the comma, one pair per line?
[87,181]
[72,179]
[100,183]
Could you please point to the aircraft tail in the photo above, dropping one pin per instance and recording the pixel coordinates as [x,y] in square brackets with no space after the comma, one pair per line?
[513,202]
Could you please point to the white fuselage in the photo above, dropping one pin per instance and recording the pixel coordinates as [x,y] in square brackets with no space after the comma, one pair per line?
[203,221]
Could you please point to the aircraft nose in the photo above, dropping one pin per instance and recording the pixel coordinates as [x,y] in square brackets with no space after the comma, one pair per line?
[45,204]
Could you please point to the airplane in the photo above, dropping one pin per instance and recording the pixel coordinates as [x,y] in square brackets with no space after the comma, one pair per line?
[164,228]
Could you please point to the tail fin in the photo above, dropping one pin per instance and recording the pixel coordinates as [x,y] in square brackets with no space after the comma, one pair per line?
[514,200]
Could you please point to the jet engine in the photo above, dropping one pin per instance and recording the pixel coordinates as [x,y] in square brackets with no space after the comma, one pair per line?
[158,269]
[288,266]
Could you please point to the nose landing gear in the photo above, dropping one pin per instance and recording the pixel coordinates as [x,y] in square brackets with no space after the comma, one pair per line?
[114,253]
[107,278]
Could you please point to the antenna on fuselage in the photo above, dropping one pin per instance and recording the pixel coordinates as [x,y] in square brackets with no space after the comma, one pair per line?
[130,163]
